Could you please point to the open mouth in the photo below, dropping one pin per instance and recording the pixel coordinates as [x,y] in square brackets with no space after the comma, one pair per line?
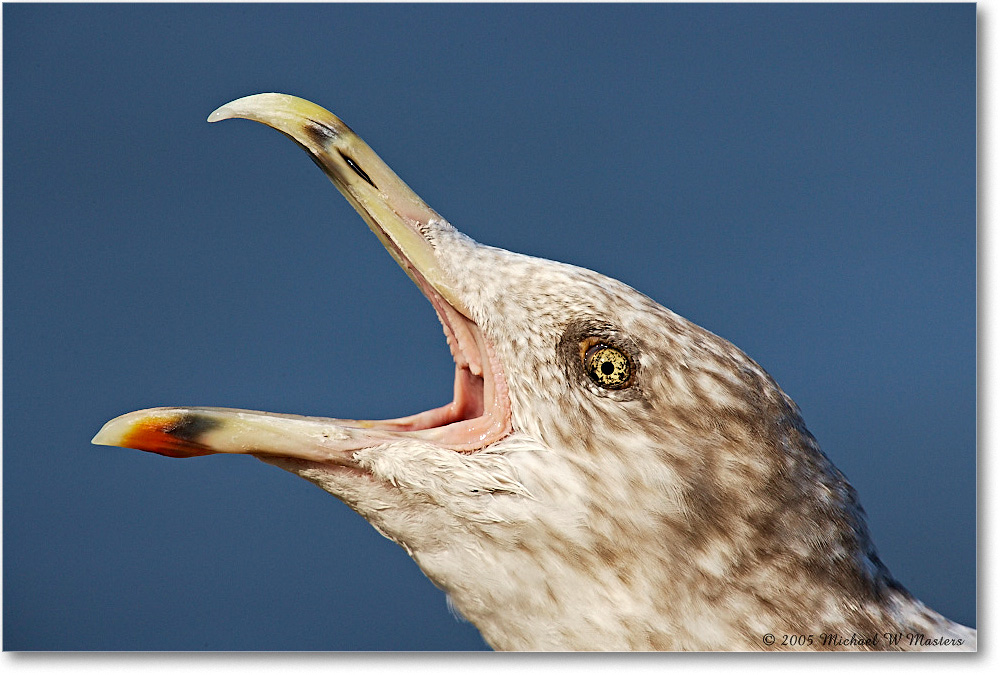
[480,412]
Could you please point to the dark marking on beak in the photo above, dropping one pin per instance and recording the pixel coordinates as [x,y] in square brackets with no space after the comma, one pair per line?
[357,169]
[319,132]
[190,427]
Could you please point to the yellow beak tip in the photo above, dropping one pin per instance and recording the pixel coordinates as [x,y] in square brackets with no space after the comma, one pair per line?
[104,437]
[219,114]
[280,111]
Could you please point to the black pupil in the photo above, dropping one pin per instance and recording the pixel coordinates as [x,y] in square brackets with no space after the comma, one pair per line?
[607,368]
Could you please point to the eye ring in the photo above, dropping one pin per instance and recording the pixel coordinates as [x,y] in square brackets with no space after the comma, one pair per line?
[609,367]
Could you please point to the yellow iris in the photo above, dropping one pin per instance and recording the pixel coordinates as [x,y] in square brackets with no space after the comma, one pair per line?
[607,366]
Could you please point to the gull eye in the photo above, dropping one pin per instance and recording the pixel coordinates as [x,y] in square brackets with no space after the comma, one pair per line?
[609,367]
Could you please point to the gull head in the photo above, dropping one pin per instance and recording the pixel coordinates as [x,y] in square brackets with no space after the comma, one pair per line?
[608,475]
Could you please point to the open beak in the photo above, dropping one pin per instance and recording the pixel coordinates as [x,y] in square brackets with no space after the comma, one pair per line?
[478,415]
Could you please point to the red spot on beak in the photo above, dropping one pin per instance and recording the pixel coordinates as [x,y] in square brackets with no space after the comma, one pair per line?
[155,435]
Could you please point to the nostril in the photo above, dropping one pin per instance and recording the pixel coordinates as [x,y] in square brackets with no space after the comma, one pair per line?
[357,169]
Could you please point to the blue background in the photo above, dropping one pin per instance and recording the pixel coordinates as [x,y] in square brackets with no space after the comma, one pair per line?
[797,179]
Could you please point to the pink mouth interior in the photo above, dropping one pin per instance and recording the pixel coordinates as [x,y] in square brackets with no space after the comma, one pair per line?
[479,414]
